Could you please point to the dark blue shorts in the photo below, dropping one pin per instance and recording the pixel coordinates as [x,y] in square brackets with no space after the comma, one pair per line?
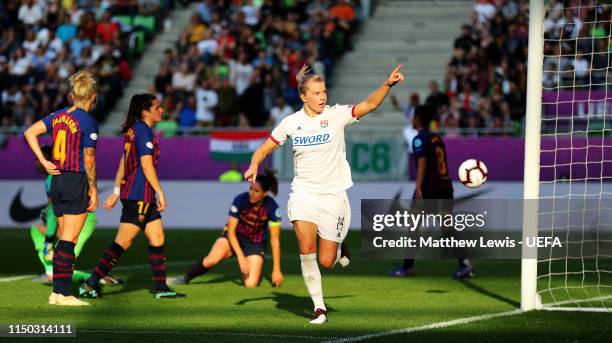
[249,248]
[69,193]
[138,213]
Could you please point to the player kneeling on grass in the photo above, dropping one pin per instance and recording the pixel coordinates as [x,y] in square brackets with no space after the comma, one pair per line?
[43,234]
[245,235]
[137,185]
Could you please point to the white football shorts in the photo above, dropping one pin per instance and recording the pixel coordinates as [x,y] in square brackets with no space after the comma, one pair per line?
[330,212]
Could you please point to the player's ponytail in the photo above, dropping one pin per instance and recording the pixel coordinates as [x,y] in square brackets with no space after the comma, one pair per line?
[138,104]
[82,86]
[268,181]
[303,77]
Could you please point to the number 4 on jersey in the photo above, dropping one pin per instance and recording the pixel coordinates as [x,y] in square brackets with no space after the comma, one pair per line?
[59,148]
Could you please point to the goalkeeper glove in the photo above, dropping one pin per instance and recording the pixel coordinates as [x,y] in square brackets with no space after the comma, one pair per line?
[48,248]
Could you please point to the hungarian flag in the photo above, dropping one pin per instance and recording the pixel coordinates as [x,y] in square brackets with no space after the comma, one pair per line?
[235,145]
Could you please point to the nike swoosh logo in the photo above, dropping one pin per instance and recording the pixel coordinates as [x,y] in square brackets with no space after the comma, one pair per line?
[20,213]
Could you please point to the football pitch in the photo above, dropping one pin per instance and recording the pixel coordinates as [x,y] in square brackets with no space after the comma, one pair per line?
[363,303]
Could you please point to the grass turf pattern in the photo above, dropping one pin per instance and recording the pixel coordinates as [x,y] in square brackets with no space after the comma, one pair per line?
[361,299]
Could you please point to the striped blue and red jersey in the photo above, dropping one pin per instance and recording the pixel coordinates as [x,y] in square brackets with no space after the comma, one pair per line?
[72,130]
[253,221]
[139,141]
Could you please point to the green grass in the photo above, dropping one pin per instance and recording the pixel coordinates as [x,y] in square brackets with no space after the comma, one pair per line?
[361,300]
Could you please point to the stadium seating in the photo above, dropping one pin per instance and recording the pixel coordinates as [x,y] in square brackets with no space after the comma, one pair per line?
[42,43]
[250,55]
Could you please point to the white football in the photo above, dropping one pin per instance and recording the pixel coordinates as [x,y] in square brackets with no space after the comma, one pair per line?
[473,173]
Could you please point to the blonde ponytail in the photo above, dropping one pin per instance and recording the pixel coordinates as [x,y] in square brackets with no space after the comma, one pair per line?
[303,77]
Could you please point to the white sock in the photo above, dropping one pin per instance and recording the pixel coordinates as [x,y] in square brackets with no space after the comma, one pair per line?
[312,279]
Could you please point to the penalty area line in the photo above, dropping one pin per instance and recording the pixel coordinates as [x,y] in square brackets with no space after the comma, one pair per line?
[432,326]
[208,333]
[16,278]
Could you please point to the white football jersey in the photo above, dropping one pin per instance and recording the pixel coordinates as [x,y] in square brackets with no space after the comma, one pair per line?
[319,151]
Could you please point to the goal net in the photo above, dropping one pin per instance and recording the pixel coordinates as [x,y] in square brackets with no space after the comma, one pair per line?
[568,158]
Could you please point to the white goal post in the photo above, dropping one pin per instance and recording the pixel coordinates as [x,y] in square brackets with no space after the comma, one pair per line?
[567,188]
[531,181]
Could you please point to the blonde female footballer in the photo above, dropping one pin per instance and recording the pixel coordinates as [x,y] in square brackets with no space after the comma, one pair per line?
[318,203]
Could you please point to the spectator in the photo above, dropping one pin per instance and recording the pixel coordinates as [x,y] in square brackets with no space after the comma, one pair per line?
[19,66]
[208,48]
[183,80]
[30,13]
[409,108]
[187,112]
[251,15]
[226,112]
[485,9]
[509,9]
[449,120]
[205,10]
[43,42]
[79,42]
[207,99]
[54,45]
[435,97]
[106,29]
[241,73]
[466,41]
[232,44]
[66,30]
[279,111]
[581,68]
[251,103]
[550,78]
[516,101]
[469,100]
[197,29]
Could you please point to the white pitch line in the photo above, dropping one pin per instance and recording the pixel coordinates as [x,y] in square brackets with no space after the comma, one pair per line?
[438,325]
[16,278]
[208,333]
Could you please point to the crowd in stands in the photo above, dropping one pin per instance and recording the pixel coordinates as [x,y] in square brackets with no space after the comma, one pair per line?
[43,42]
[235,64]
[486,79]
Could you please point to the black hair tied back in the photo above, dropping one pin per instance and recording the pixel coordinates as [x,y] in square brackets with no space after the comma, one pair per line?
[268,181]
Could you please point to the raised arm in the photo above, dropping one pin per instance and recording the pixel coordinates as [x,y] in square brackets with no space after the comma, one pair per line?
[376,98]
[258,157]
[146,161]
[31,137]
[89,161]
